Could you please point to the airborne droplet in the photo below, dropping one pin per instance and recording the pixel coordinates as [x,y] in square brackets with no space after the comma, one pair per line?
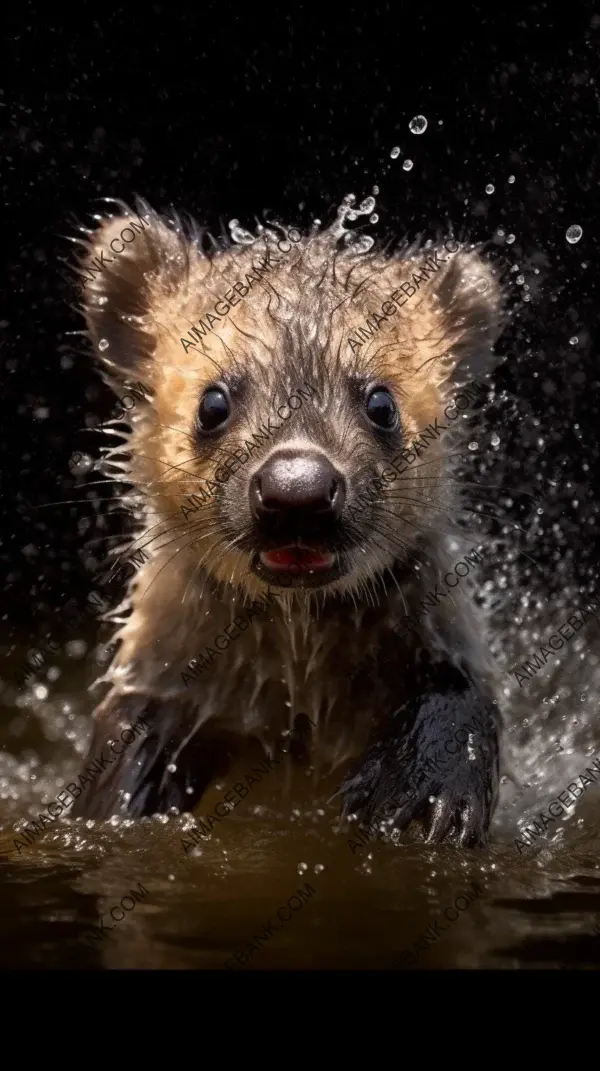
[418,125]
[79,463]
[573,234]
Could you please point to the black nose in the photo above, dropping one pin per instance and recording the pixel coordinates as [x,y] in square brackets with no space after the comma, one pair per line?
[299,485]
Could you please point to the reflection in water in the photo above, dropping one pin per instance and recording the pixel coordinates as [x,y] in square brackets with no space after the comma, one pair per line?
[207,906]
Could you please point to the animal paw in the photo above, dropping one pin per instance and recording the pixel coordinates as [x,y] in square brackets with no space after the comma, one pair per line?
[442,772]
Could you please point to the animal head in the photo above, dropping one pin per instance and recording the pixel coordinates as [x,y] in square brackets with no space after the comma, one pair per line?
[291,383]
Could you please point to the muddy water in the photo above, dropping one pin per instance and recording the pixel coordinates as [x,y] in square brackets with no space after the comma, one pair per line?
[277,884]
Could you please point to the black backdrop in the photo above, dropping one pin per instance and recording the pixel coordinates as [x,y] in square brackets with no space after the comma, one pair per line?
[225,112]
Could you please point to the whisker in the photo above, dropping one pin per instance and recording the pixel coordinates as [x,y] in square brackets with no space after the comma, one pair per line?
[458,509]
[169,427]
[420,528]
[176,468]
[167,563]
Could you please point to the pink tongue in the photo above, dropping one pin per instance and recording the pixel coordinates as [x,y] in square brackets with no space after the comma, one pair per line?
[299,556]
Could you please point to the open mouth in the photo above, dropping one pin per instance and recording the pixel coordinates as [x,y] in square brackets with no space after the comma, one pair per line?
[296,559]
[297,565]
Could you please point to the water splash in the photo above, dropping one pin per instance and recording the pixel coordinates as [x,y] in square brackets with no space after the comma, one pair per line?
[240,234]
[348,212]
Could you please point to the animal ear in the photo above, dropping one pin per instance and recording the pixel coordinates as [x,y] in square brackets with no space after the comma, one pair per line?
[467,300]
[128,260]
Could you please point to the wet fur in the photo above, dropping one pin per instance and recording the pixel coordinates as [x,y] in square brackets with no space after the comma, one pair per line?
[309,654]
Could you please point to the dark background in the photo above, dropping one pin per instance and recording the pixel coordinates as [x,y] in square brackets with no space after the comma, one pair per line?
[230,112]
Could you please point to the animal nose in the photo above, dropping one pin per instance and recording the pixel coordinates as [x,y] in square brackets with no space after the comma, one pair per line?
[303,484]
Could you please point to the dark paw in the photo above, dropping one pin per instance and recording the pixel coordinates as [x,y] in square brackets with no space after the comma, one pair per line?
[442,771]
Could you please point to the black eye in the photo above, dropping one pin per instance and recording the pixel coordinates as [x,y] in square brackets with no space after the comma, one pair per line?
[381,409]
[213,409]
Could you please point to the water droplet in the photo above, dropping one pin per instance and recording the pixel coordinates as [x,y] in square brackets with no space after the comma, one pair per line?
[473,446]
[573,341]
[573,234]
[481,286]
[172,767]
[374,218]
[520,280]
[407,165]
[367,205]
[240,234]
[418,125]
[103,344]
[501,232]
[360,243]
[395,153]
[511,179]
[510,239]
[40,691]
[302,868]
[102,300]
[495,440]
[319,868]
[76,648]
[375,190]
[489,188]
[80,463]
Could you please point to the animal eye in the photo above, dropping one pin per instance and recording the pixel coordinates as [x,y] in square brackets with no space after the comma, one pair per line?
[213,410]
[381,409]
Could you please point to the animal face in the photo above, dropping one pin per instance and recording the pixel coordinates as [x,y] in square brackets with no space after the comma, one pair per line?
[290,391]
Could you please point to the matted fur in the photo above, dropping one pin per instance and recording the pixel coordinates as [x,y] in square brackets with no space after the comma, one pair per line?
[292,328]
